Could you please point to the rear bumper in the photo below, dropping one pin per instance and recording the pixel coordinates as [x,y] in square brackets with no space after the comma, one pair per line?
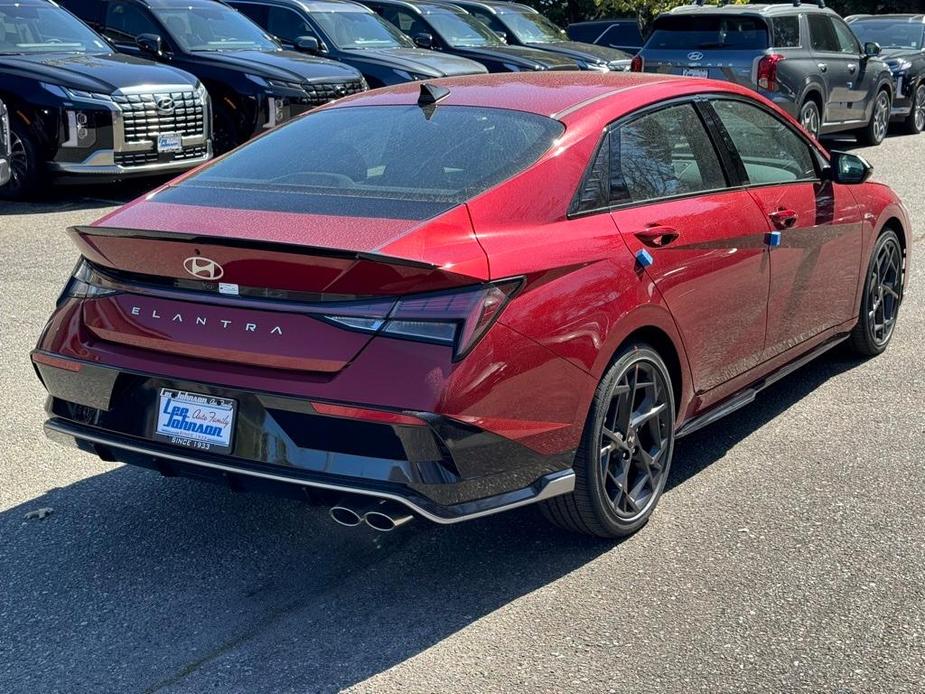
[442,469]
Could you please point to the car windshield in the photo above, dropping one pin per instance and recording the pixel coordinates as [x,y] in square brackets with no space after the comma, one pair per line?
[350,29]
[45,29]
[462,30]
[216,27]
[890,34]
[530,27]
[708,33]
[375,161]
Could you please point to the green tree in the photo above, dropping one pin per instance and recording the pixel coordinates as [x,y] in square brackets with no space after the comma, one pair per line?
[644,10]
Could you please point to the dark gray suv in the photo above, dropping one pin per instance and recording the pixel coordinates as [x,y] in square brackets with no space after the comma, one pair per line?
[801,56]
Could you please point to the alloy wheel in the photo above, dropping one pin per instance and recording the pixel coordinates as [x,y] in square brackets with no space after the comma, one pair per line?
[884,292]
[636,440]
[809,117]
[918,106]
[881,116]
[19,160]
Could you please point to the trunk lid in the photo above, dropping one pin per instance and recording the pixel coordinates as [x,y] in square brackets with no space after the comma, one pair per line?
[258,287]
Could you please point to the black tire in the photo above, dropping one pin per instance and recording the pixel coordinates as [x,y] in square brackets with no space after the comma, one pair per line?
[598,505]
[882,297]
[25,166]
[875,132]
[915,123]
[811,117]
[226,135]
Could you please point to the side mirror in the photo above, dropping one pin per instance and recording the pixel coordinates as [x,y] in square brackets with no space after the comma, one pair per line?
[850,169]
[150,44]
[423,40]
[871,49]
[307,44]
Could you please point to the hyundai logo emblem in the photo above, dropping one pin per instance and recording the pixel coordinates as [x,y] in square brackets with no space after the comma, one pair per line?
[695,56]
[164,104]
[203,268]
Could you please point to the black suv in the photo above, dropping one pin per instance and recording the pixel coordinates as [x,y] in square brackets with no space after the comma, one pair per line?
[353,34]
[253,82]
[77,109]
[452,30]
[902,40]
[800,55]
[521,25]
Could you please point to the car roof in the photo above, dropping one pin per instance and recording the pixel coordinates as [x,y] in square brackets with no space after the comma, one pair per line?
[910,18]
[553,94]
[424,7]
[324,5]
[496,6]
[766,10]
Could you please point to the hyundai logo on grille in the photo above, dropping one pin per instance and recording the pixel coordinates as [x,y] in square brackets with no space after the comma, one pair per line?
[695,56]
[164,104]
[203,268]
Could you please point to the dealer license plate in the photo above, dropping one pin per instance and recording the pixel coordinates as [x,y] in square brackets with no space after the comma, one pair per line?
[169,143]
[195,421]
[696,72]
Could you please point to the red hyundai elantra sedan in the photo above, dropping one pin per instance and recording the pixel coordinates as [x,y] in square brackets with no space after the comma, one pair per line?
[457,298]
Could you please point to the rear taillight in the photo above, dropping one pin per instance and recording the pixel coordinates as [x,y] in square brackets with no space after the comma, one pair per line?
[457,318]
[767,72]
[637,64]
[84,284]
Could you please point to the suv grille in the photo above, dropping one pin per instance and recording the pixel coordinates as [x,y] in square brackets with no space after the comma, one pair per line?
[146,115]
[321,93]
[142,158]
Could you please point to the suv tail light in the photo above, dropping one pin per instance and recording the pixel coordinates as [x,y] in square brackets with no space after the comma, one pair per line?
[637,64]
[767,72]
[458,318]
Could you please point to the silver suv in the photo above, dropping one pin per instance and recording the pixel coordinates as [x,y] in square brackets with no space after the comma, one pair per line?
[800,55]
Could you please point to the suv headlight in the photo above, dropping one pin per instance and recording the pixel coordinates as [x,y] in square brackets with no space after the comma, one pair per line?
[899,65]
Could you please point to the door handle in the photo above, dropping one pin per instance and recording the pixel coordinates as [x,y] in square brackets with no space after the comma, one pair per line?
[852,68]
[783,219]
[657,236]
[823,67]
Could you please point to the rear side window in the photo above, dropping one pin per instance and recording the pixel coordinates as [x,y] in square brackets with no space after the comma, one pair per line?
[661,155]
[709,33]
[376,161]
[624,34]
[771,152]
[822,34]
[786,32]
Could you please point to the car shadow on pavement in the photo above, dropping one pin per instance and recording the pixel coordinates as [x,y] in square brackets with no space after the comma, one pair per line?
[137,583]
[66,198]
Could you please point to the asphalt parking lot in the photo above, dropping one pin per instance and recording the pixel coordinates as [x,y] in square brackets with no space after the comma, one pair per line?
[788,553]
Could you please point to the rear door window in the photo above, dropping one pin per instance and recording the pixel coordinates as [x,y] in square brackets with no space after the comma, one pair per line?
[786,32]
[771,152]
[822,34]
[661,155]
[709,33]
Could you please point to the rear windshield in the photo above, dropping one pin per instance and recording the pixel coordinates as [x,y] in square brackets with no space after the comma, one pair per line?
[374,161]
[709,33]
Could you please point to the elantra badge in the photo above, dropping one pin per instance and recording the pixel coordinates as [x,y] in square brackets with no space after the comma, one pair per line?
[203,268]
[695,56]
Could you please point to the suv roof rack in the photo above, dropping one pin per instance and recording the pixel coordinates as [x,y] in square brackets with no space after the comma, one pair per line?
[796,3]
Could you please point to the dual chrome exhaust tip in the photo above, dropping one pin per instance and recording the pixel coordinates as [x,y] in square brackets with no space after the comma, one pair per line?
[381,515]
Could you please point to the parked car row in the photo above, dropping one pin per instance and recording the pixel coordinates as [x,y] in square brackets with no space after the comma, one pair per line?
[143,87]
